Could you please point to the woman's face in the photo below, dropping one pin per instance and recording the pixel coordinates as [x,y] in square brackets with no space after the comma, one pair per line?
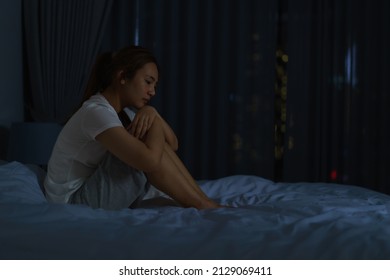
[139,90]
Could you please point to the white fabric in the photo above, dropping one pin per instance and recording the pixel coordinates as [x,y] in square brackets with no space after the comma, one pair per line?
[76,153]
[301,221]
[130,113]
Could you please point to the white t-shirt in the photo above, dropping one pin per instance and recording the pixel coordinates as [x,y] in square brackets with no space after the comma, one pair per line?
[77,154]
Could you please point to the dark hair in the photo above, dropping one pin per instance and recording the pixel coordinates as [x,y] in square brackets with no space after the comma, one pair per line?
[128,59]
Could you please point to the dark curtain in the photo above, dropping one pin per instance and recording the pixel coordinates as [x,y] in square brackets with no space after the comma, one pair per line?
[217,77]
[61,39]
[338,92]
[292,90]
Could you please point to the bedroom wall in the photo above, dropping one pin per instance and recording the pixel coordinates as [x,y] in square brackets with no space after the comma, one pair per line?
[11,69]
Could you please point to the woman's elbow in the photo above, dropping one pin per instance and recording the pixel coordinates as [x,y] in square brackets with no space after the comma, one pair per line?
[175,147]
[174,144]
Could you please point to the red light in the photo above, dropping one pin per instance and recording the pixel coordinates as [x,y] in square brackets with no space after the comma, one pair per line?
[333,175]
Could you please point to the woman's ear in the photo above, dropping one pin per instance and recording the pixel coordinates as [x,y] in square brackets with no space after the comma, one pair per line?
[120,76]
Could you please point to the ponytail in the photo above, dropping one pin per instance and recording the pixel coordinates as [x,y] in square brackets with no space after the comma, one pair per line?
[101,75]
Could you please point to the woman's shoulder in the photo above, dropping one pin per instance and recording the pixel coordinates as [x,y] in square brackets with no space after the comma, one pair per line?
[97,100]
[96,111]
[97,106]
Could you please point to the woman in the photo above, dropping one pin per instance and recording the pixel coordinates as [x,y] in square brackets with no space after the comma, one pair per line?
[102,163]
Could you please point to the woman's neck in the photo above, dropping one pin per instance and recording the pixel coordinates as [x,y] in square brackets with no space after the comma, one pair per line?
[112,98]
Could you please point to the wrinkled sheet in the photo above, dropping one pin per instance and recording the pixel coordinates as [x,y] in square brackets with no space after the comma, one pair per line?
[267,221]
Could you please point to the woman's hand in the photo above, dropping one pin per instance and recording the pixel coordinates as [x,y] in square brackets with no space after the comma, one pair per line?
[142,121]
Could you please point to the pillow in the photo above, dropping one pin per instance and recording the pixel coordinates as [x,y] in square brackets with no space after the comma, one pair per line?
[20,183]
[39,172]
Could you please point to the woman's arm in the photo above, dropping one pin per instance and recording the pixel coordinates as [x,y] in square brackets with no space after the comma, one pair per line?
[143,155]
[142,121]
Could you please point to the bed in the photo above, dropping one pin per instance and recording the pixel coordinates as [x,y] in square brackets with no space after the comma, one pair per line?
[268,220]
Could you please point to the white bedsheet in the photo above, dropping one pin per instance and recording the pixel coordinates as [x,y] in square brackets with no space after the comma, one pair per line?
[268,221]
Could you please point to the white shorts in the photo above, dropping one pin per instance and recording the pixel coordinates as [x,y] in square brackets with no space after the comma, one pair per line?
[113,186]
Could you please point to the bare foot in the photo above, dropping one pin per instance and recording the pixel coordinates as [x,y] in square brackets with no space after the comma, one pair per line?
[209,204]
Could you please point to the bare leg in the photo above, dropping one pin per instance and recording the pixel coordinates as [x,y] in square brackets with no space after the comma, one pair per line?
[179,164]
[172,178]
